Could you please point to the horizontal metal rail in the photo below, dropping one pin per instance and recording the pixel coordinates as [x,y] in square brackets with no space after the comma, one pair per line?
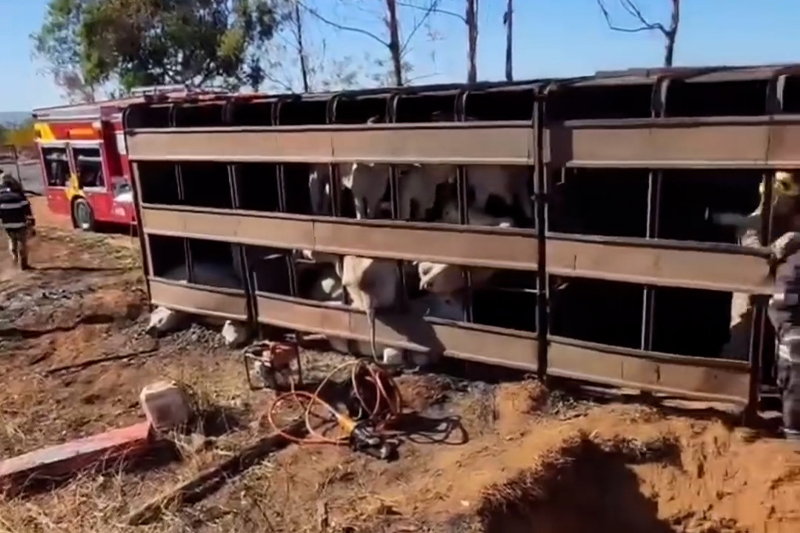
[712,142]
[214,302]
[692,377]
[718,142]
[645,261]
[454,143]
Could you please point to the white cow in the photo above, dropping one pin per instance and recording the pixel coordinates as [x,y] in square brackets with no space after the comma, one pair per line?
[319,189]
[417,184]
[509,183]
[443,279]
[371,284]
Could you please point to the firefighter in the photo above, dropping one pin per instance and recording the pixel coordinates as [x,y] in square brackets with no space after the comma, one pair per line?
[17,219]
[784,313]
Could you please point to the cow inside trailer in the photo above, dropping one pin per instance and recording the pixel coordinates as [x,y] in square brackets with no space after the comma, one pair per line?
[635,279]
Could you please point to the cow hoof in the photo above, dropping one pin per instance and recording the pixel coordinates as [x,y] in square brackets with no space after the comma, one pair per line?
[235,335]
[163,320]
[420,360]
[393,357]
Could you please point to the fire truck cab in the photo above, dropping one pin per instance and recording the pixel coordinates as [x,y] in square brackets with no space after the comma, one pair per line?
[85,169]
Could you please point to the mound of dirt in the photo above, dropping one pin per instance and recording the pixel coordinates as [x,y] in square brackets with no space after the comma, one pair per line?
[631,469]
[421,392]
[578,486]
[516,404]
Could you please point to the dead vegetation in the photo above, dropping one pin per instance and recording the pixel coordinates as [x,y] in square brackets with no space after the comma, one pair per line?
[481,457]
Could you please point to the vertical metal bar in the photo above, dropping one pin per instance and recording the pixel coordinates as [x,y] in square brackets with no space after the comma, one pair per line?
[394,193]
[334,180]
[144,245]
[462,190]
[238,250]
[187,252]
[774,105]
[333,169]
[282,204]
[541,190]
[658,102]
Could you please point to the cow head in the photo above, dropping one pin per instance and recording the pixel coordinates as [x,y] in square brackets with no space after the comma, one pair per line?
[439,278]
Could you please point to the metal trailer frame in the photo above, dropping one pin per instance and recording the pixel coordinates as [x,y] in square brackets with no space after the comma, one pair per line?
[659,142]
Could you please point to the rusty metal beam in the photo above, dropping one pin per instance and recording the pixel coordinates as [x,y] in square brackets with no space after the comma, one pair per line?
[718,142]
[691,377]
[664,263]
[454,143]
[208,301]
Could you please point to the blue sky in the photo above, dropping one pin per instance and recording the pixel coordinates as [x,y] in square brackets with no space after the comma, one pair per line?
[552,38]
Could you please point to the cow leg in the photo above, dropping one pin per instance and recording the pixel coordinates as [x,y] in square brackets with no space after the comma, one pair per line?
[524,198]
[738,345]
[360,206]
[481,197]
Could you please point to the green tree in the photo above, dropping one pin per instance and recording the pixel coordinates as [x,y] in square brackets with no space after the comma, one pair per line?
[125,43]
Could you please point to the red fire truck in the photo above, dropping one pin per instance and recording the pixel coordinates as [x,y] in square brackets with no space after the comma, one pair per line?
[84,161]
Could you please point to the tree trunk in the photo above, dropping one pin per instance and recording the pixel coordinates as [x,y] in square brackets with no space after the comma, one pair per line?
[509,20]
[672,34]
[394,42]
[472,37]
[301,49]
[669,51]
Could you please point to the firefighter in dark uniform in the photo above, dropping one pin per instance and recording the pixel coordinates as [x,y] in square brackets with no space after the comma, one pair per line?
[17,219]
[784,313]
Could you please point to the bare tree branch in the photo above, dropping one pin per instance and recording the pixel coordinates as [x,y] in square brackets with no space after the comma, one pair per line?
[670,32]
[343,27]
[431,9]
[435,9]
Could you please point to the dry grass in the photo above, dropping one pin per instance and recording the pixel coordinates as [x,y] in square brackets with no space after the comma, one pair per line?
[521,460]
[100,500]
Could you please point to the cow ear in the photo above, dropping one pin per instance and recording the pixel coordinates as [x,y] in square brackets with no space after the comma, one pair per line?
[373,120]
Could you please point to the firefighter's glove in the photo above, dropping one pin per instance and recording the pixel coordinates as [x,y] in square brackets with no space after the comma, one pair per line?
[786,245]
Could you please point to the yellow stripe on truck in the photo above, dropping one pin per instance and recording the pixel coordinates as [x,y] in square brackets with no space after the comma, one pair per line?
[43,132]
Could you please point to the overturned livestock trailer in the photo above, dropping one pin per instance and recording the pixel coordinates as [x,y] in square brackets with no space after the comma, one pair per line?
[606,268]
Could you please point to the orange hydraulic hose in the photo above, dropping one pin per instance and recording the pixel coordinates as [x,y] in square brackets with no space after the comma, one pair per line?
[376,375]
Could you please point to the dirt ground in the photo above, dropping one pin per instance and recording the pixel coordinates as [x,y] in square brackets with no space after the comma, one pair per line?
[492,458]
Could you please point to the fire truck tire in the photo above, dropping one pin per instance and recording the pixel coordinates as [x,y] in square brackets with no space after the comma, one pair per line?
[82,215]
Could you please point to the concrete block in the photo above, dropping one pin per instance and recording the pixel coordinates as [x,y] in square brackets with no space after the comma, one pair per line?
[165,405]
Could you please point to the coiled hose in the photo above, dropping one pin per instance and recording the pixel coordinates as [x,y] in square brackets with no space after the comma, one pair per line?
[388,402]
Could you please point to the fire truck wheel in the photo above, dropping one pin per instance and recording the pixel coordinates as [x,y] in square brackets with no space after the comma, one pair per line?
[82,215]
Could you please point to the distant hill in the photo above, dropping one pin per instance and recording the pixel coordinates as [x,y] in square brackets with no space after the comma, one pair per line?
[13,117]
